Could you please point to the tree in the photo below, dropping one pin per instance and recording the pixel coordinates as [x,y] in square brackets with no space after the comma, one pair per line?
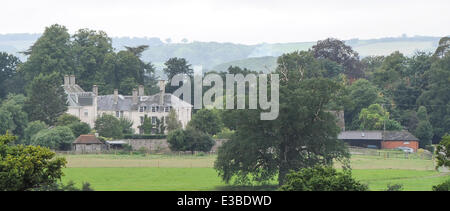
[172,121]
[362,94]
[26,167]
[303,135]
[49,54]
[8,71]
[189,140]
[376,118]
[147,126]
[443,48]
[16,119]
[66,119]
[336,50]
[108,126]
[126,125]
[57,138]
[445,186]
[207,121]
[391,71]
[32,129]
[137,51]
[90,49]
[436,98]
[176,66]
[321,178]
[424,130]
[79,128]
[46,99]
[443,152]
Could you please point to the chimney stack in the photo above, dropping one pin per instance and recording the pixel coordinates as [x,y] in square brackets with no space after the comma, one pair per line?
[135,96]
[72,80]
[116,96]
[66,80]
[141,90]
[162,89]
[95,90]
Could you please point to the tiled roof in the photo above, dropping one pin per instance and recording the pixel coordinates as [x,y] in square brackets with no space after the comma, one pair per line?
[125,103]
[87,139]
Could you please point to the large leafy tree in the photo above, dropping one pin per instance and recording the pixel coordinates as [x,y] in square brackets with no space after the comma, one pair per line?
[436,98]
[57,138]
[90,49]
[375,117]
[14,106]
[108,126]
[207,121]
[8,72]
[362,94]
[52,52]
[304,135]
[336,50]
[176,66]
[27,167]
[47,100]
[424,130]
[189,140]
[443,152]
[32,129]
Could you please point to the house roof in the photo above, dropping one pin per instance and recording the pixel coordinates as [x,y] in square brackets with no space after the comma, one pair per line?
[87,139]
[399,136]
[125,103]
[377,135]
[360,135]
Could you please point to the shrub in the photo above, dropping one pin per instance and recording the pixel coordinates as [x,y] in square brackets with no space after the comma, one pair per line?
[189,140]
[321,178]
[442,187]
[395,187]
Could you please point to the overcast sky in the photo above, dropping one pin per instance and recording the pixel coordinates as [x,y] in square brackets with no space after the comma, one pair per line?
[238,21]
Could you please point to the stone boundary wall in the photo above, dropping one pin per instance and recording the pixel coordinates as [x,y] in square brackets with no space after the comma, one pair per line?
[161,145]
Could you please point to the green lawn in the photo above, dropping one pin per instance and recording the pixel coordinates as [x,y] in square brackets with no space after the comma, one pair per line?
[192,179]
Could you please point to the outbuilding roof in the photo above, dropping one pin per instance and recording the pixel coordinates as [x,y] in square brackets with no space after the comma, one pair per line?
[87,139]
[377,135]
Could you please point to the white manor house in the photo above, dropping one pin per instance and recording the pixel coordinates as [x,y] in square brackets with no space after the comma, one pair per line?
[89,105]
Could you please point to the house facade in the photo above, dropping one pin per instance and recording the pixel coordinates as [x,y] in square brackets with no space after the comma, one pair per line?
[380,139]
[89,105]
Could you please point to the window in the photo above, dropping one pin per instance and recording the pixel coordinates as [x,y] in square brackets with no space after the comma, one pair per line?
[119,114]
[142,108]
[142,119]
[86,112]
[405,142]
[153,119]
[153,108]
[167,109]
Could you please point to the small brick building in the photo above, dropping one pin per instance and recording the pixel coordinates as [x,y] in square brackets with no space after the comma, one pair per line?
[380,139]
[87,144]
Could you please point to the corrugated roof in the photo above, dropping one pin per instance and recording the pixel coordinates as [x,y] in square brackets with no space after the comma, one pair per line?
[360,135]
[377,135]
[87,139]
[399,136]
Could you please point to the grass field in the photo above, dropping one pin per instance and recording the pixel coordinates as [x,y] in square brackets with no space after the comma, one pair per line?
[187,172]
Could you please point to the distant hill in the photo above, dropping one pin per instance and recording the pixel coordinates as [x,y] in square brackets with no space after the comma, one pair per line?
[219,56]
[260,64]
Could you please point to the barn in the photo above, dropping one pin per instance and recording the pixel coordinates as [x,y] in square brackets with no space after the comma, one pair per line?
[87,144]
[380,139]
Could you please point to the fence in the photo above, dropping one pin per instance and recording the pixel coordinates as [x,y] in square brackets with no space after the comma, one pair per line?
[386,154]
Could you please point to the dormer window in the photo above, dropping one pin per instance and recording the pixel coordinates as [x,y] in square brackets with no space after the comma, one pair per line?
[154,108]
